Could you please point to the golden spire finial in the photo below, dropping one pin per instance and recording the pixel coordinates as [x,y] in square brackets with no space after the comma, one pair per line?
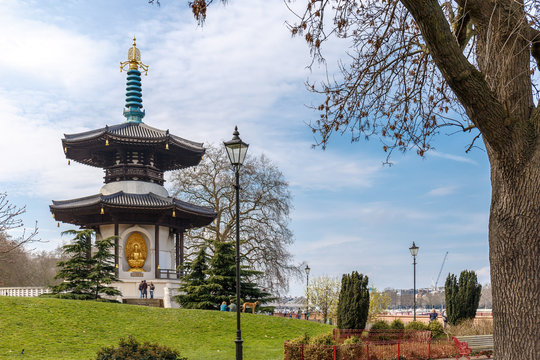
[134,59]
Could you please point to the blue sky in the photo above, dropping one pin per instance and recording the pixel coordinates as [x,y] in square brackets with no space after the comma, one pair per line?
[59,73]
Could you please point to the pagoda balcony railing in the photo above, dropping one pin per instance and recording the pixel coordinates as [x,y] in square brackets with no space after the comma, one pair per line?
[133,172]
[170,274]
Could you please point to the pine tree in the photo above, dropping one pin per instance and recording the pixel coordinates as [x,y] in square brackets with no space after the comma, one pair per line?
[194,292]
[353,307]
[103,270]
[86,276]
[462,297]
[76,270]
[221,282]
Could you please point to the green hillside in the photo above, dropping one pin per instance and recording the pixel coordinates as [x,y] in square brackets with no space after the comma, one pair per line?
[69,329]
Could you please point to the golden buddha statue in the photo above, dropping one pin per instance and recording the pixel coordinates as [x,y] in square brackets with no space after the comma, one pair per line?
[136,252]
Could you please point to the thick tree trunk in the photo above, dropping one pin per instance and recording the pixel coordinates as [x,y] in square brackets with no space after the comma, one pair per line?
[514,251]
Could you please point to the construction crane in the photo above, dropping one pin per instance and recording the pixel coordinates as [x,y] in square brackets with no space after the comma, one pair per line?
[440,271]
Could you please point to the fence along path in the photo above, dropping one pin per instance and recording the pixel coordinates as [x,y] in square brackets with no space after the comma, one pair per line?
[23,291]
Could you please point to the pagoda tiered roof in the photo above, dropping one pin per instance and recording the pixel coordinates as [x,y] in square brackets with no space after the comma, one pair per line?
[98,147]
[132,152]
[123,207]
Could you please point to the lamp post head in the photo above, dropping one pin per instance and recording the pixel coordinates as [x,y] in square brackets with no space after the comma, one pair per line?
[307,269]
[414,249]
[236,149]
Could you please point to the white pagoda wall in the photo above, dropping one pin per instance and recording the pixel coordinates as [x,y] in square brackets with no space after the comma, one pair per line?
[167,258]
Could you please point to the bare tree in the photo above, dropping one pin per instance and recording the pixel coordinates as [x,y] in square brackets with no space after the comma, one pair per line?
[415,67]
[486,300]
[10,220]
[265,202]
[378,304]
[21,267]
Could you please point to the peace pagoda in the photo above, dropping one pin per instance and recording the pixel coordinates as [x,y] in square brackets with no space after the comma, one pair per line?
[133,204]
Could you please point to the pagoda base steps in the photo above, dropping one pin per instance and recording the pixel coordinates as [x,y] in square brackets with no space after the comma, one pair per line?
[144,302]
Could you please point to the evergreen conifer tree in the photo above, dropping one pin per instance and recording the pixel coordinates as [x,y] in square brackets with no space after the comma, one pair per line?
[221,281]
[469,293]
[194,292]
[76,270]
[86,276]
[103,270]
[462,297]
[353,306]
[452,300]
[343,302]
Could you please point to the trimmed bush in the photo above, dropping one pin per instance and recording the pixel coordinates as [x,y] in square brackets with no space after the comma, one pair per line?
[416,325]
[302,339]
[323,339]
[397,324]
[380,325]
[436,329]
[129,349]
[353,340]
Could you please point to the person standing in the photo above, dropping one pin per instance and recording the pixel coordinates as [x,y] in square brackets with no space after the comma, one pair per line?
[140,288]
[144,290]
[444,318]
[433,315]
[152,287]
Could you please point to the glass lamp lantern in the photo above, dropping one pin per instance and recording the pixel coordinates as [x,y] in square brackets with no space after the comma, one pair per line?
[414,249]
[236,149]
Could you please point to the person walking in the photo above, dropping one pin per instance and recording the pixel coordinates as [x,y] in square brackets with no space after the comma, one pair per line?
[144,290]
[152,288]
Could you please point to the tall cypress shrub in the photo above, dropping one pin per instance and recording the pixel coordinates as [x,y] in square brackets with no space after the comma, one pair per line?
[353,306]
[469,293]
[452,300]
[462,297]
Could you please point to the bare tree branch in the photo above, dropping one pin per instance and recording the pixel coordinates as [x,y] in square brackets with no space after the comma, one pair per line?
[10,220]
[265,203]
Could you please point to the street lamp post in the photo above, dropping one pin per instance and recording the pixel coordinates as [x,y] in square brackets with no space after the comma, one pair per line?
[237,149]
[307,269]
[414,252]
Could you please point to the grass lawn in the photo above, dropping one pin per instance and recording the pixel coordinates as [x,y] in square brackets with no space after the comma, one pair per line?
[71,329]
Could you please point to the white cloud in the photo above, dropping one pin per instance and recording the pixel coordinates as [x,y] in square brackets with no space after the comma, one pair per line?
[34,164]
[48,56]
[484,275]
[457,158]
[442,191]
